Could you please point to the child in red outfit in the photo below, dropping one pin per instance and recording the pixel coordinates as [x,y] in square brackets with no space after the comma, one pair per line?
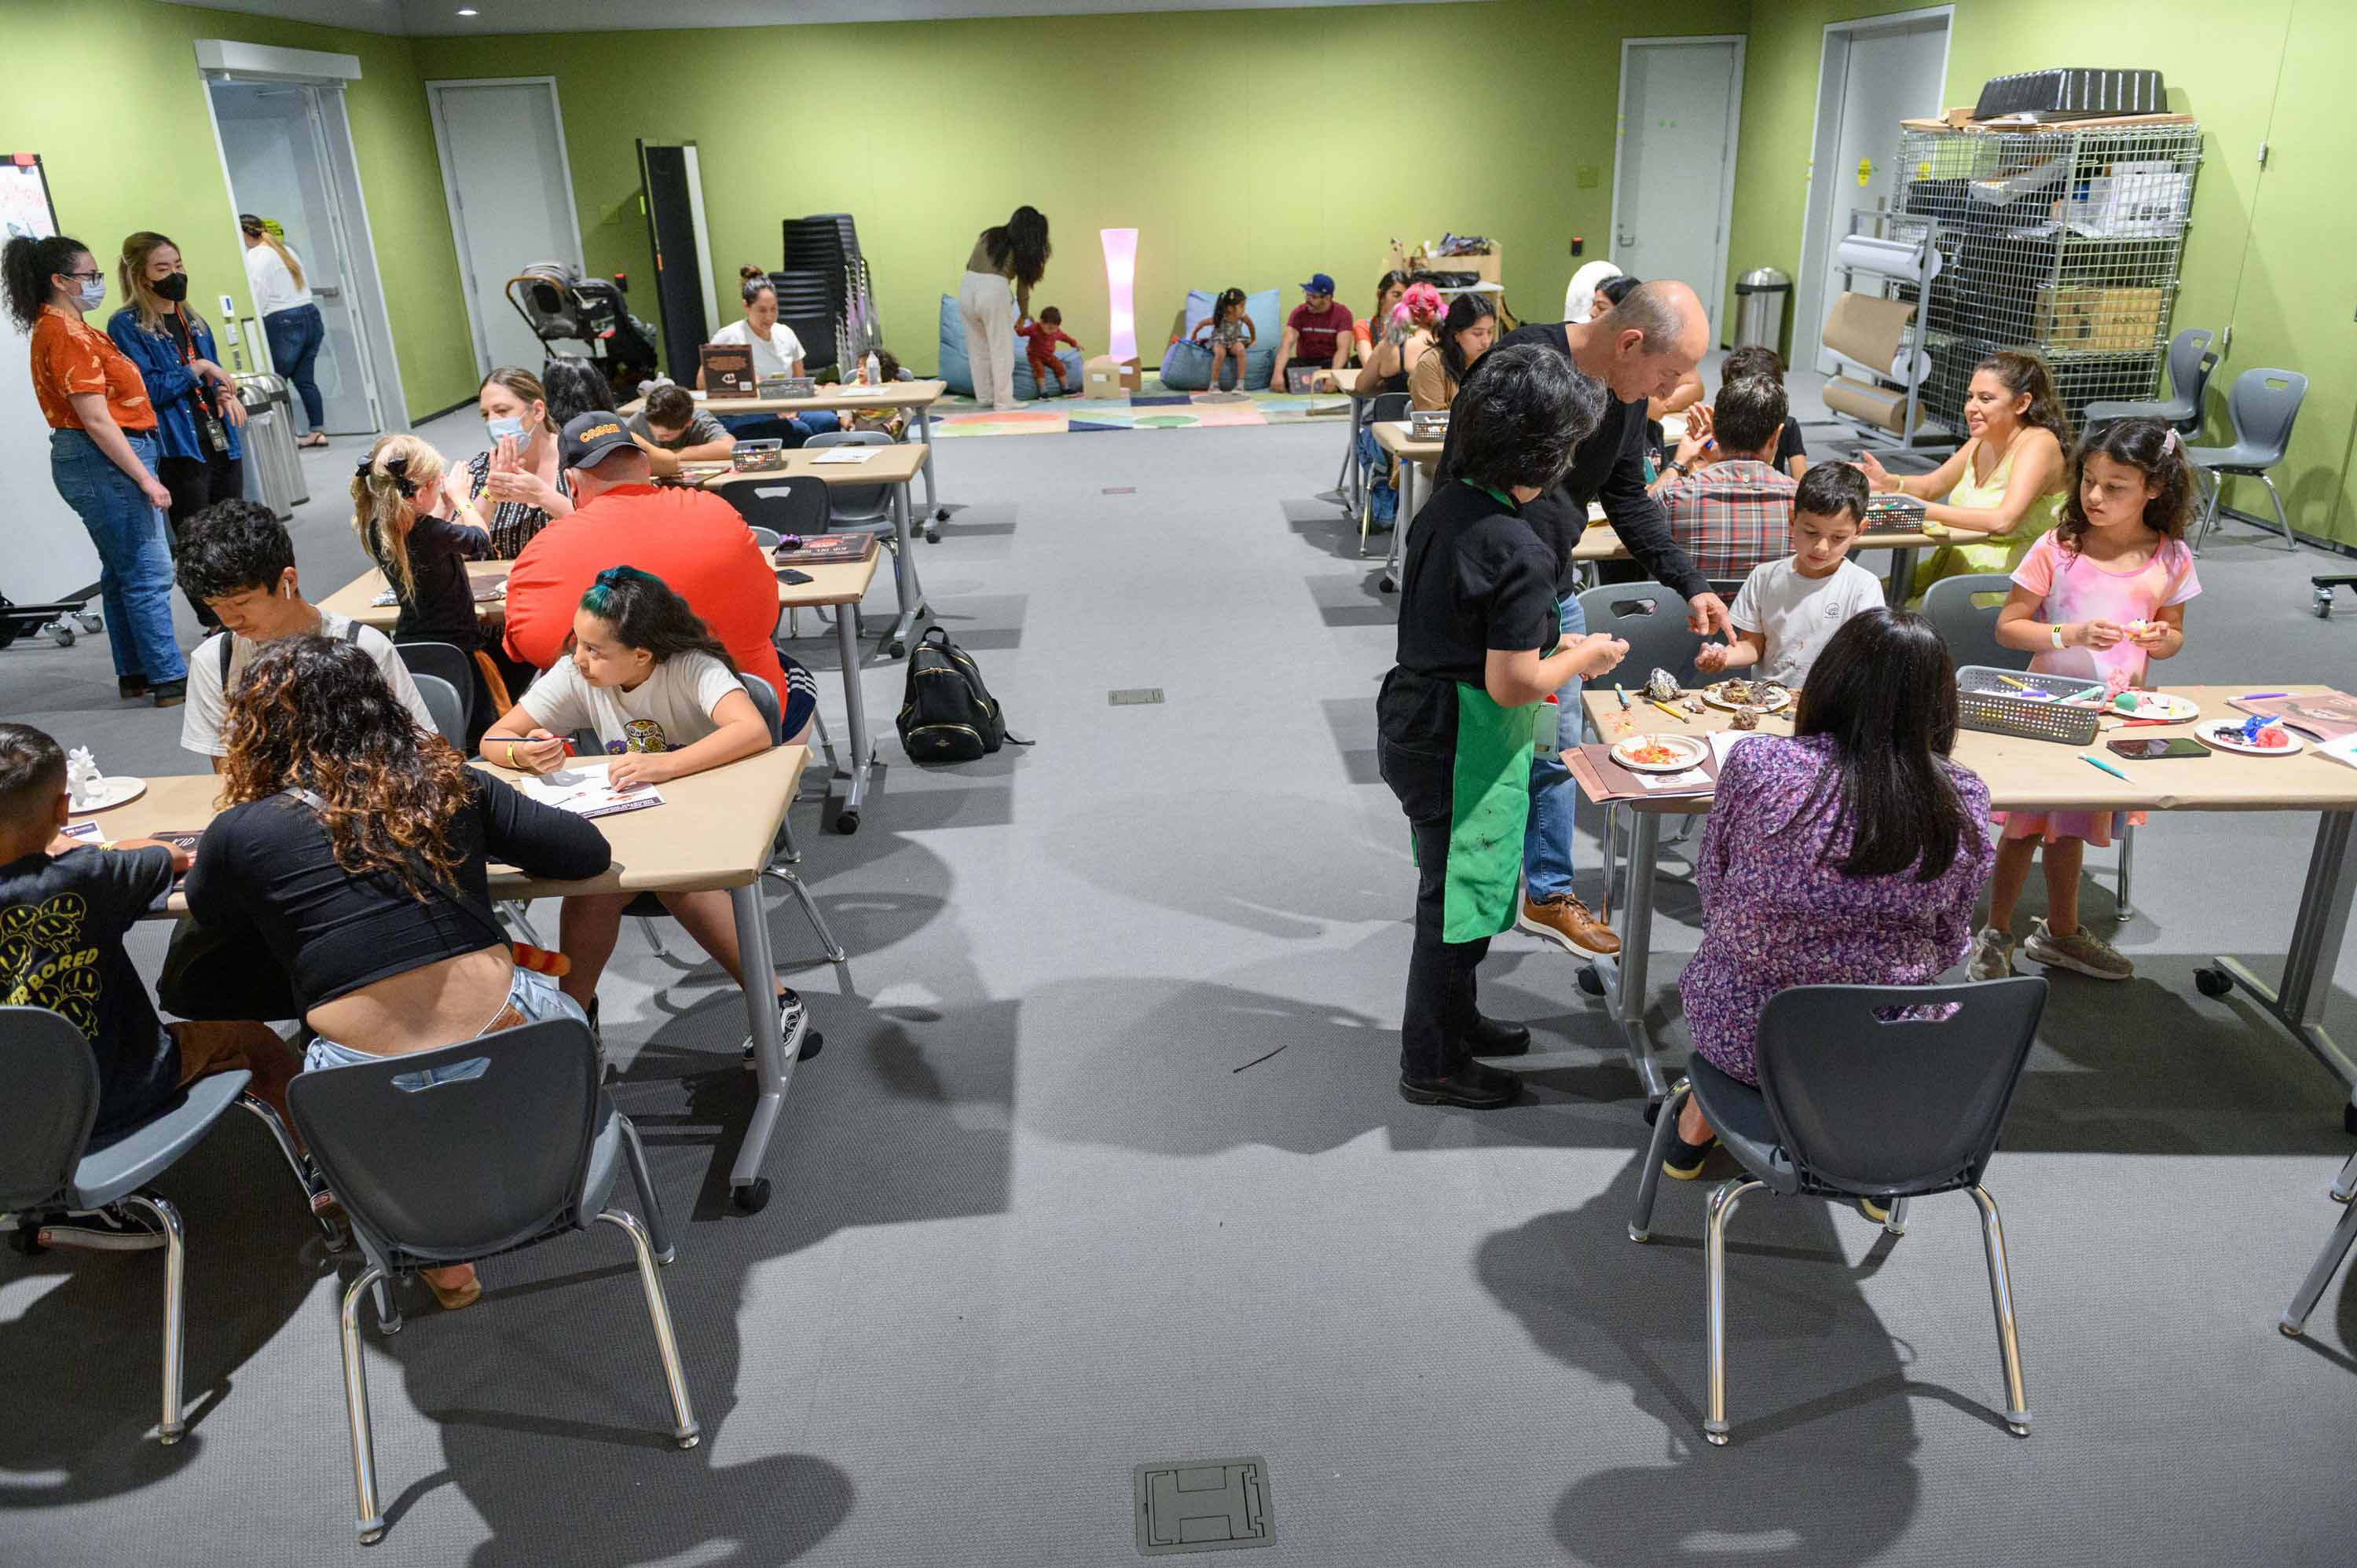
[1039,339]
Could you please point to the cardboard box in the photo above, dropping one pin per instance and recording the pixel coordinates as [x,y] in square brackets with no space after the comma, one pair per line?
[2099,320]
[1484,267]
[1107,377]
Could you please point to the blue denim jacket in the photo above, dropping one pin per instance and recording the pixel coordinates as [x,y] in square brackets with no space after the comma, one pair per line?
[171,385]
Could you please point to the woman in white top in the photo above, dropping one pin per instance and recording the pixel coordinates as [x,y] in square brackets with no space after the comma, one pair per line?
[1017,252]
[273,274]
[775,352]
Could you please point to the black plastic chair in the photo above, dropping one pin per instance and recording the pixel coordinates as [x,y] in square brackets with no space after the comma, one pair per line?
[1866,1092]
[2190,361]
[2261,405]
[782,503]
[49,1170]
[448,708]
[2336,1249]
[446,662]
[451,1172]
[1384,408]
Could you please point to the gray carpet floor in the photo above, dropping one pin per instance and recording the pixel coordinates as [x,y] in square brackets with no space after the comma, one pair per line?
[1037,1222]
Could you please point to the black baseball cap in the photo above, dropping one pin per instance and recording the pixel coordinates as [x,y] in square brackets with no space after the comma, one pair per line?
[589,437]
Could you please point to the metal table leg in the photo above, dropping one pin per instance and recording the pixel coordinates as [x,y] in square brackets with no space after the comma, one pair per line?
[911,597]
[2315,951]
[854,702]
[1902,576]
[772,1068]
[1636,949]
[1346,486]
[933,498]
[1405,471]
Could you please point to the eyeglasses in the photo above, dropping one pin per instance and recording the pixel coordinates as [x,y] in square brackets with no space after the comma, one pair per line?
[93,272]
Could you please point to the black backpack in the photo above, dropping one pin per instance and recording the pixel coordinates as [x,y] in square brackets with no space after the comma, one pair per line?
[947,715]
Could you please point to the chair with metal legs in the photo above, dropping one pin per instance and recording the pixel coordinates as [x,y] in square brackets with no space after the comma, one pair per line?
[454,1155]
[2336,1251]
[1881,1093]
[2261,405]
[1383,407]
[2190,361]
[1651,618]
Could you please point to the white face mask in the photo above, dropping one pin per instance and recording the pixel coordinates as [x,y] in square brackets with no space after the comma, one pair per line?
[500,429]
[92,294]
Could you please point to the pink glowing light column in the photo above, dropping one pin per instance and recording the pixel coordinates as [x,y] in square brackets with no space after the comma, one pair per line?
[1120,287]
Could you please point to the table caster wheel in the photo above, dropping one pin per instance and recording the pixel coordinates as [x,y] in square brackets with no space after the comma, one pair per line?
[2214,982]
[941,514]
[933,534]
[1590,981]
[753,1197]
[846,823]
[895,649]
[62,634]
[91,622]
[1388,586]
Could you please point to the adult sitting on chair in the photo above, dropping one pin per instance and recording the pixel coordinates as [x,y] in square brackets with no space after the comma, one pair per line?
[1467,332]
[1729,505]
[777,352]
[1320,333]
[1851,854]
[353,851]
[691,539]
[671,430]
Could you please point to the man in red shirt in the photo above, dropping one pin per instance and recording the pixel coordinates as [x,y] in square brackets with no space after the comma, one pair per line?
[1319,334]
[695,542]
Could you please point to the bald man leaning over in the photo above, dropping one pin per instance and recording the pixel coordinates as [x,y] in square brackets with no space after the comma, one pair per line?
[1640,349]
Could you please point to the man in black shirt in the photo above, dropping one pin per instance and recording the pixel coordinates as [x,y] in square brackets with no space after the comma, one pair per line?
[1642,348]
[1479,649]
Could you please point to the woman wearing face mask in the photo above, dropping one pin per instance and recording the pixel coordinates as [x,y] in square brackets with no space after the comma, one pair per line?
[273,274]
[515,488]
[197,414]
[775,352]
[101,454]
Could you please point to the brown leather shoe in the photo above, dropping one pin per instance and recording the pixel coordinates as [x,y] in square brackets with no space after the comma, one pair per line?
[1565,920]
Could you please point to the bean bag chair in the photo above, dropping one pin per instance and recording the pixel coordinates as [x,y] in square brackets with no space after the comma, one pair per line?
[958,371]
[1187,365]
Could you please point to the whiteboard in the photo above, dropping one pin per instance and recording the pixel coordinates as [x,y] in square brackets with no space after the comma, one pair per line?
[47,553]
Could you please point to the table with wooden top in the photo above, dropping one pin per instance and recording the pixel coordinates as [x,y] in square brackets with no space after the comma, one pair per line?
[892,467]
[836,398]
[2045,776]
[832,584]
[715,829]
[1600,543]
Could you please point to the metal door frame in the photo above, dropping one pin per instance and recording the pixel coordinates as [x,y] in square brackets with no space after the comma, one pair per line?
[477,329]
[1714,297]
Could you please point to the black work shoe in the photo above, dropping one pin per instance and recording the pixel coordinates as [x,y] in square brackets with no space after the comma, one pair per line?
[1682,1162]
[130,686]
[1473,1086]
[1497,1037]
[170,694]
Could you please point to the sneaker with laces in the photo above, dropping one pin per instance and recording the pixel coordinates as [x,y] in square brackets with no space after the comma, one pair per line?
[1568,923]
[2089,955]
[111,1230]
[801,1041]
[1992,956]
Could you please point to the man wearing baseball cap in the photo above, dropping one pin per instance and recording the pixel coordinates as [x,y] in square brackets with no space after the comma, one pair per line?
[1318,332]
[691,539]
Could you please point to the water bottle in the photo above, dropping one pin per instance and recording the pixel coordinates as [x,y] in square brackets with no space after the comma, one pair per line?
[871,371]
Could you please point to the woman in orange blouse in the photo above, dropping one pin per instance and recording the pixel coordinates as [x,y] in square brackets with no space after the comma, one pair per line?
[101,455]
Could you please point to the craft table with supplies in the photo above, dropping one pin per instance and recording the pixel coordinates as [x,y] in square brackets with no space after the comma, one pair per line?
[918,397]
[715,829]
[2043,776]
[892,467]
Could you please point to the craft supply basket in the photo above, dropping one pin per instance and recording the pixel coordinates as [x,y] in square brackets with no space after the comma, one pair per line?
[1998,701]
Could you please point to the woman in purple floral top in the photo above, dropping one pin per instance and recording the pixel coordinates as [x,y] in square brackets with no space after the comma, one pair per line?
[1851,854]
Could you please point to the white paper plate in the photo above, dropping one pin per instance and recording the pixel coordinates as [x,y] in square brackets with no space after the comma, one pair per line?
[1711,694]
[2227,735]
[1690,753]
[2157,705]
[118,789]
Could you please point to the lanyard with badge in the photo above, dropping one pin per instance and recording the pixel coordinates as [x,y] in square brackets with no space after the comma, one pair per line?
[209,421]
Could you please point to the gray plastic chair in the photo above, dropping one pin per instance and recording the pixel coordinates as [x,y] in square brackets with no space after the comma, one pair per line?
[781,867]
[860,505]
[526,1150]
[1860,1095]
[2336,1249]
[49,1169]
[2190,361]
[449,710]
[2262,406]
[766,538]
[449,662]
[1384,408]
[1651,618]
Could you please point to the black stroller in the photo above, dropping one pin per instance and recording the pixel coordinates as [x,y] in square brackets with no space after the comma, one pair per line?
[561,306]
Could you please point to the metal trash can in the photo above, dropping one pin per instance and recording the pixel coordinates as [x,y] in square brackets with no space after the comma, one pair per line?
[1760,297]
[273,470]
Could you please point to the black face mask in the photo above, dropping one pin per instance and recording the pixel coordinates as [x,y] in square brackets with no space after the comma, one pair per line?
[171,286]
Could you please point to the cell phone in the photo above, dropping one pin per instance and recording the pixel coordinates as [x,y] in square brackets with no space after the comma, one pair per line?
[2153,750]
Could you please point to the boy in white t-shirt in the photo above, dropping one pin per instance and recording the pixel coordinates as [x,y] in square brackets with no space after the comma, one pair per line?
[1790,607]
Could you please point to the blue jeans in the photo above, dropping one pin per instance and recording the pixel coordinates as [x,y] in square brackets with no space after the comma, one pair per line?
[134,571]
[793,430]
[295,339]
[531,993]
[1554,798]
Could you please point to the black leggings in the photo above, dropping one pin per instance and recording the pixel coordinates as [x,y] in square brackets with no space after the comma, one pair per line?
[1437,1024]
[197,483]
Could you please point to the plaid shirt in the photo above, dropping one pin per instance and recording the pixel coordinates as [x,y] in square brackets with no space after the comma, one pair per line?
[1731,516]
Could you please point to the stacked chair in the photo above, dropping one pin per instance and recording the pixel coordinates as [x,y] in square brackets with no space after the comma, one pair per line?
[813,290]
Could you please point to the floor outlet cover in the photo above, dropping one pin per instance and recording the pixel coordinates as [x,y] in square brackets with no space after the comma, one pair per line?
[1203,1505]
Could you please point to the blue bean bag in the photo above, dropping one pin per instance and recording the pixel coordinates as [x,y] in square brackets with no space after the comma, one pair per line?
[1187,366]
[958,371]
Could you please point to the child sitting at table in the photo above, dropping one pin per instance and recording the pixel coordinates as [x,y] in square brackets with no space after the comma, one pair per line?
[664,699]
[1229,332]
[1789,608]
[64,907]
[1041,336]
[2100,596]
[890,421]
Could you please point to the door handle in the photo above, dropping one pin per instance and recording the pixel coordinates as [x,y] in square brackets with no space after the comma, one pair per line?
[325,291]
[1625,239]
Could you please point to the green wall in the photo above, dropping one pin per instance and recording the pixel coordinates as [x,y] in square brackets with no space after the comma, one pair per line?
[107,92]
[1245,145]
[2257,239]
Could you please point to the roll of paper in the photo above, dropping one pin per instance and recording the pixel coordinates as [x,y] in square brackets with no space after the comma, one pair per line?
[1923,367]
[1889,257]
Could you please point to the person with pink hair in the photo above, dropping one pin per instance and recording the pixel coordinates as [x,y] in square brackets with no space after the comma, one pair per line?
[1411,334]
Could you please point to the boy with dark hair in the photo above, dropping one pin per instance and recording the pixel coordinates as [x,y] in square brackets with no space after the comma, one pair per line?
[237,558]
[1041,336]
[64,907]
[674,421]
[1789,609]
[1757,359]
[1728,505]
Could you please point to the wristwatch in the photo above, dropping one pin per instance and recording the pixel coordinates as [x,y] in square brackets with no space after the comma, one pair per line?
[2055,634]
[1673,466]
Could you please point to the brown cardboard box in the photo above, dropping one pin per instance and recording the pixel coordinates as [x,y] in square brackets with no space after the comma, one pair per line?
[1483,267]
[2099,320]
[1107,377]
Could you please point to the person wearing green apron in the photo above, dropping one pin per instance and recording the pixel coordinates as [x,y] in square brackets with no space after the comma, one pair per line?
[1481,647]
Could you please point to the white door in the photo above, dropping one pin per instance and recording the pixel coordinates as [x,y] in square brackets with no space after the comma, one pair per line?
[510,194]
[1890,74]
[1673,182]
[273,138]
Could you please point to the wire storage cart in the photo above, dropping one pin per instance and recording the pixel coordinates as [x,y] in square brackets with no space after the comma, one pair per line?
[2064,241]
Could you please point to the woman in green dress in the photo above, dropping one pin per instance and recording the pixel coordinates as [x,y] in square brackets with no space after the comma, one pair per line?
[1480,648]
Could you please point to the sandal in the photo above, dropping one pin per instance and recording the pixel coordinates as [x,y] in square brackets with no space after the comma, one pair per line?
[317,439]
[453,1297]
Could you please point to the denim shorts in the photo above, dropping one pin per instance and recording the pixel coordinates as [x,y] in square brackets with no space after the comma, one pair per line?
[535,997]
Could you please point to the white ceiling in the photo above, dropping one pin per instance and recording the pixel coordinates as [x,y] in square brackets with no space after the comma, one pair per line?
[430,18]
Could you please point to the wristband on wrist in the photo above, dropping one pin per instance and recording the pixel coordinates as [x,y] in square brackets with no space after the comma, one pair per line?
[2055,634]
[512,764]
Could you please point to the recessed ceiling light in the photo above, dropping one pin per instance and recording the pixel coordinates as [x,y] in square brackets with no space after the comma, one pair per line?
[466,10]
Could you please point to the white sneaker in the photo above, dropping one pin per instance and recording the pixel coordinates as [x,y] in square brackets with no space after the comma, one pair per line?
[799,1040]
[1992,955]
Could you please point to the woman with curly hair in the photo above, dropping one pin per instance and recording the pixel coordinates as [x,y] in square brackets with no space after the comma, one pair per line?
[352,849]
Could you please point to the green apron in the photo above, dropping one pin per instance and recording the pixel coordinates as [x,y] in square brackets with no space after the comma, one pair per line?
[1489,806]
